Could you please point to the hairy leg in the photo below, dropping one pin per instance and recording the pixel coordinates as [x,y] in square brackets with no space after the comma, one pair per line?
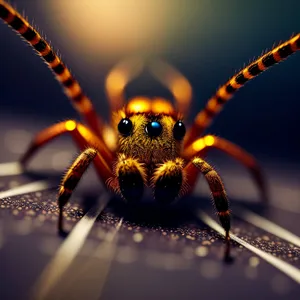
[216,103]
[198,165]
[63,75]
[71,179]
[82,136]
[201,146]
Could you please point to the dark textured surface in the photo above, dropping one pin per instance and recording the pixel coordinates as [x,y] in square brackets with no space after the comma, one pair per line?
[158,254]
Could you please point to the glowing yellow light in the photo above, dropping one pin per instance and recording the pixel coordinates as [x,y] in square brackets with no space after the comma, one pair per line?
[209,140]
[140,104]
[198,145]
[84,132]
[160,105]
[70,125]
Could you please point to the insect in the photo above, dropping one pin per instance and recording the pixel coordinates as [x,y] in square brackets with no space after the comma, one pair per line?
[146,143]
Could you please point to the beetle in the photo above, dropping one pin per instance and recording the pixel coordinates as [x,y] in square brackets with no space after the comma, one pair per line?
[146,143]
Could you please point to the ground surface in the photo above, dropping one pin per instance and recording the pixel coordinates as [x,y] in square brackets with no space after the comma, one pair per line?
[145,252]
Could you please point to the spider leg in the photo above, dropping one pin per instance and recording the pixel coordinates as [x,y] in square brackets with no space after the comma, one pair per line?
[172,179]
[177,84]
[70,85]
[201,146]
[117,79]
[215,104]
[216,186]
[71,179]
[82,136]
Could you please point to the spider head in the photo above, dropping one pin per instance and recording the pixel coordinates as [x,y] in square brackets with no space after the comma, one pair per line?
[150,131]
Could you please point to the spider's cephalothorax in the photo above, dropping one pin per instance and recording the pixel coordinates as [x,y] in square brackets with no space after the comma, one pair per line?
[150,139]
[146,143]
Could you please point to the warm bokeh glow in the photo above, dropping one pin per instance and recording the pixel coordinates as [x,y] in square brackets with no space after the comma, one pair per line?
[209,140]
[114,26]
[70,125]
[182,91]
[119,77]
[160,105]
[172,79]
[139,105]
[109,137]
[200,144]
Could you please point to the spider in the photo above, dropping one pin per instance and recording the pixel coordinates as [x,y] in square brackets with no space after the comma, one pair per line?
[146,144]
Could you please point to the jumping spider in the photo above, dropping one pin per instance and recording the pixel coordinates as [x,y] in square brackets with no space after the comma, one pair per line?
[146,143]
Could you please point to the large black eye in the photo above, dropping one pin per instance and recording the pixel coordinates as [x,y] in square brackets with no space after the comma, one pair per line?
[125,126]
[153,129]
[179,130]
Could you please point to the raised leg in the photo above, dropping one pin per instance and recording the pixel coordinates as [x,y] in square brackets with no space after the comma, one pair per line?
[70,85]
[215,104]
[82,136]
[177,84]
[117,79]
[201,146]
[71,179]
[198,165]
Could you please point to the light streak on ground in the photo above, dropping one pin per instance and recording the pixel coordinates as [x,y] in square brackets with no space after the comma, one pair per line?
[267,225]
[89,280]
[284,267]
[68,251]
[27,188]
[11,168]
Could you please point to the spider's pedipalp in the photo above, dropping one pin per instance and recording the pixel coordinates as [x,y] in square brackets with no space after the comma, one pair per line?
[201,146]
[215,104]
[71,86]
[130,178]
[168,181]
[82,136]
[216,186]
[71,179]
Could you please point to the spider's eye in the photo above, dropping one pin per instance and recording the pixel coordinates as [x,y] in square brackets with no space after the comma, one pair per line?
[179,130]
[153,129]
[125,127]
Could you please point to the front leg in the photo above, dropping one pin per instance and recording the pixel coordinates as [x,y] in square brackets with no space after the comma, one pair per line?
[71,179]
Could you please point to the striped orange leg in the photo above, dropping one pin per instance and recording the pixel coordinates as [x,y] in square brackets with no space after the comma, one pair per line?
[70,85]
[198,165]
[82,136]
[202,145]
[226,91]
[72,177]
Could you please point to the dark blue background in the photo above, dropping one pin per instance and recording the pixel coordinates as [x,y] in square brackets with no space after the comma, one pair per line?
[264,115]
